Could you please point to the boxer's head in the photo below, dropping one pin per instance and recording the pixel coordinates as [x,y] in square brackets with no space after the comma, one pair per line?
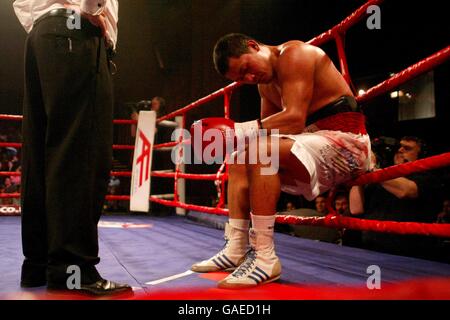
[241,58]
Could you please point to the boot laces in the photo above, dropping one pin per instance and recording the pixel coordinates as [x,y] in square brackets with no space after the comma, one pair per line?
[225,245]
[247,265]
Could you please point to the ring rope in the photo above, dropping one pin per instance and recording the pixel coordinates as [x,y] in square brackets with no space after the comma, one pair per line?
[115,146]
[334,221]
[407,74]
[404,169]
[344,25]
[190,176]
[339,221]
[221,92]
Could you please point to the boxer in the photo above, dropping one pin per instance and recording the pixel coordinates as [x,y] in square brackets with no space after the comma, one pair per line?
[311,114]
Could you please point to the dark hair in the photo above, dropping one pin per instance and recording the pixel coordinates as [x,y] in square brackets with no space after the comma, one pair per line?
[162,104]
[341,194]
[231,45]
[421,143]
[161,100]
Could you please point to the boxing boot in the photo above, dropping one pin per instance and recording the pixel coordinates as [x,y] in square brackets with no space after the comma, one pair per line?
[231,255]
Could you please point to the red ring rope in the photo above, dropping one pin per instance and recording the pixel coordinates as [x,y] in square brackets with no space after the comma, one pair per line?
[337,34]
[404,169]
[338,221]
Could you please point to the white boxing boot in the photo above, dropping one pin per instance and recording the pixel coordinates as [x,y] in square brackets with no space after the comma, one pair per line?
[231,255]
[261,264]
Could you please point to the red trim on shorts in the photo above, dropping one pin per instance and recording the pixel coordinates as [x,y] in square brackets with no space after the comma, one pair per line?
[354,122]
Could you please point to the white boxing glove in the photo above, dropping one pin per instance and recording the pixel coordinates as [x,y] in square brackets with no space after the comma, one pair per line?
[246,131]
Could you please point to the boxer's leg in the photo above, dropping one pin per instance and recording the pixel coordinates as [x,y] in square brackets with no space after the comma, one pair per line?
[262,264]
[238,192]
[236,230]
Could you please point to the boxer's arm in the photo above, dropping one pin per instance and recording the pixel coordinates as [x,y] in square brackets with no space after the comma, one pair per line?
[268,108]
[295,72]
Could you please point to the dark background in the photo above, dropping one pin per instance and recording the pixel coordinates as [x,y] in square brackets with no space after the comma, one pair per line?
[164,48]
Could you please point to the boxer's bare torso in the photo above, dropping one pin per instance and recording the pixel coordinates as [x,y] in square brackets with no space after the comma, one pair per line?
[328,83]
[294,80]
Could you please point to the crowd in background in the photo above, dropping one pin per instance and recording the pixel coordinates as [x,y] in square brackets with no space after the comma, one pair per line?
[10,162]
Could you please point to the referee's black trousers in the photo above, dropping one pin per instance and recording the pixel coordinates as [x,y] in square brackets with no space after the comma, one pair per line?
[67,148]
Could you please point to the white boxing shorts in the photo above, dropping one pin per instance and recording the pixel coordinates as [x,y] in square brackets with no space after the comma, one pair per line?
[331,158]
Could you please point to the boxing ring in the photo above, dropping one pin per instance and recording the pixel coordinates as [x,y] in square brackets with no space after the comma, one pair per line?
[154,254]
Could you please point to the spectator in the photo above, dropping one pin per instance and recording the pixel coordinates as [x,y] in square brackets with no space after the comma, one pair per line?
[444,216]
[444,244]
[402,199]
[214,200]
[341,203]
[290,206]
[349,237]
[11,153]
[114,182]
[113,189]
[157,104]
[321,205]
[8,187]
[324,234]
[17,179]
[385,148]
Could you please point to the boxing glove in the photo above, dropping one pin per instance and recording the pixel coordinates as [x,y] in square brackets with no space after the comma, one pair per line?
[213,138]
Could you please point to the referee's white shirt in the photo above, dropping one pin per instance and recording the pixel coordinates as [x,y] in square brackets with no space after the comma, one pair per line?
[28,11]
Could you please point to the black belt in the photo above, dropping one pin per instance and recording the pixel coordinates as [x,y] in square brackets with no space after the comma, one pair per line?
[62,12]
[343,104]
